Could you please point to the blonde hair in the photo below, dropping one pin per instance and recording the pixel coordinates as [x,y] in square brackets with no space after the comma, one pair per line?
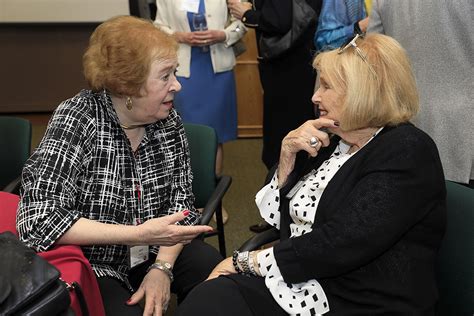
[388,98]
[120,53]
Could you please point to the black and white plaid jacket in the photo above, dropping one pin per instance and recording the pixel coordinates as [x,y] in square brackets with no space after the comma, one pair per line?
[85,167]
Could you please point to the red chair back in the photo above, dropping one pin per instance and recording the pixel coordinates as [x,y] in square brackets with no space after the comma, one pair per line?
[68,259]
[8,207]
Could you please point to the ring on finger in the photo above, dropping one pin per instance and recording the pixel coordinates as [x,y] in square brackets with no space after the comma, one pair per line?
[313,142]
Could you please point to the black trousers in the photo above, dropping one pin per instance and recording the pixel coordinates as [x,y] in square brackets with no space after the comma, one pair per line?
[192,266]
[234,295]
[288,85]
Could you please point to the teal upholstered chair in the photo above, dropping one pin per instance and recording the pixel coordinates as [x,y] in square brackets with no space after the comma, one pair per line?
[455,266]
[208,189]
[15,142]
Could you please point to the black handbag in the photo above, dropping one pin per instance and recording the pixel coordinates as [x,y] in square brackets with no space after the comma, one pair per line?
[303,16]
[29,285]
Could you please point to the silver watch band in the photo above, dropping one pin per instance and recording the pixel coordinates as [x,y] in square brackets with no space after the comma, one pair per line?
[164,266]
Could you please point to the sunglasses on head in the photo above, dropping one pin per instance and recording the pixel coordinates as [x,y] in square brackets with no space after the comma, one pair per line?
[353,43]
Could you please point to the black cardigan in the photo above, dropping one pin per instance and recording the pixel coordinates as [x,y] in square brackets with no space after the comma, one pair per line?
[377,229]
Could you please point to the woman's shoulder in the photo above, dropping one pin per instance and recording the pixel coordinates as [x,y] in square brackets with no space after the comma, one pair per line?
[82,103]
[79,109]
[407,134]
[406,141]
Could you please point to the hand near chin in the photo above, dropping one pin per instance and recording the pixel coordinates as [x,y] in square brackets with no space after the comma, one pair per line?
[163,231]
[308,137]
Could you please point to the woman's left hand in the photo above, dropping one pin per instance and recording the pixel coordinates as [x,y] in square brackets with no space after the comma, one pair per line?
[225,267]
[209,37]
[155,288]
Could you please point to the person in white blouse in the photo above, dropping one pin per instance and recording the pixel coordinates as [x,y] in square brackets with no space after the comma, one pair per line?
[205,31]
[358,197]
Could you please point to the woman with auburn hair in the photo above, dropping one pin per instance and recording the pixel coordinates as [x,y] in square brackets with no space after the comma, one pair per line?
[358,197]
[112,174]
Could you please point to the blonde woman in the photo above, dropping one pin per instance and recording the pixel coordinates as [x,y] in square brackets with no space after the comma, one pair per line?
[359,199]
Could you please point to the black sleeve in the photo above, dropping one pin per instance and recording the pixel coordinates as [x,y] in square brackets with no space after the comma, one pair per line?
[272,17]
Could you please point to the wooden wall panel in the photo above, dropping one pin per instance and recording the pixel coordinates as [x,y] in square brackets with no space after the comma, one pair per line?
[249,90]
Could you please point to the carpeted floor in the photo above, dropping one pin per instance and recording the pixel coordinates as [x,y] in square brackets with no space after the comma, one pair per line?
[242,162]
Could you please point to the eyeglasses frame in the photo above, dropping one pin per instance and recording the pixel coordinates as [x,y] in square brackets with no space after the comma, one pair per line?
[359,52]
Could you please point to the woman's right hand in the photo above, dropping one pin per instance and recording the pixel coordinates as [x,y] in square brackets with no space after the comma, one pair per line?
[299,139]
[163,231]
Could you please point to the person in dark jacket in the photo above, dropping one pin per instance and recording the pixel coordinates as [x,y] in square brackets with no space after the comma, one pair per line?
[288,80]
[359,199]
[286,101]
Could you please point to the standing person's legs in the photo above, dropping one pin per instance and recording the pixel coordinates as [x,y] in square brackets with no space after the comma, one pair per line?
[286,102]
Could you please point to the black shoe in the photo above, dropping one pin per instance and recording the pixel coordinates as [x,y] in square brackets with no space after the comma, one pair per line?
[260,227]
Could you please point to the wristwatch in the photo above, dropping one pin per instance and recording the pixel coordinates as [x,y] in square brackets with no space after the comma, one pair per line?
[164,266]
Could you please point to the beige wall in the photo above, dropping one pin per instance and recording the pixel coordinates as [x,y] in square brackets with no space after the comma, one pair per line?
[41,65]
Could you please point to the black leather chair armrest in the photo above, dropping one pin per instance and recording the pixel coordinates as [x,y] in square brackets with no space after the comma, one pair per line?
[261,239]
[14,186]
[223,184]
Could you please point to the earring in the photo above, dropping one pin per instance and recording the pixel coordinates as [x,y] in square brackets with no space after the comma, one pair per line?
[128,103]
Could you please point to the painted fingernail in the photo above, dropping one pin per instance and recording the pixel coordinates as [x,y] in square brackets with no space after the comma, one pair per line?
[336,123]
[128,301]
[186,212]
